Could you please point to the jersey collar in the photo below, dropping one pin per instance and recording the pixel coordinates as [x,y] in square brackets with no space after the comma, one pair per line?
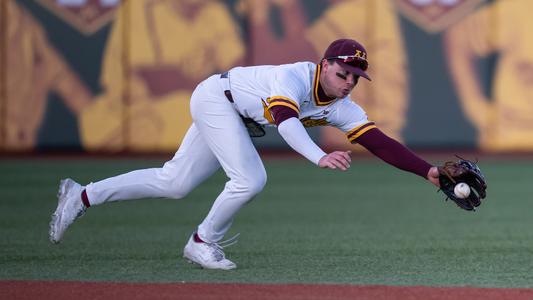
[318,93]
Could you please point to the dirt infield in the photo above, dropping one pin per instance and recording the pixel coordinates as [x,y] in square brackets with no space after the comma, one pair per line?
[102,290]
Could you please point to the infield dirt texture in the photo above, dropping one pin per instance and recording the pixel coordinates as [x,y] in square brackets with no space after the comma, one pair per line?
[373,232]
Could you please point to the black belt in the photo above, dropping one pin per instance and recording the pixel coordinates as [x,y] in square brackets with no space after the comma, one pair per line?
[225,75]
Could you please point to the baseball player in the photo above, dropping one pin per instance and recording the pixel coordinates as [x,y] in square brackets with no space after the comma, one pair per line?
[226,109]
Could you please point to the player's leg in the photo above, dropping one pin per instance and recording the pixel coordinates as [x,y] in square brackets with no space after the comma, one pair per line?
[224,132]
[191,165]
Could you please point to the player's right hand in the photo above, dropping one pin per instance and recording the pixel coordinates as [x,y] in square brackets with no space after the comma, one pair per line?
[336,160]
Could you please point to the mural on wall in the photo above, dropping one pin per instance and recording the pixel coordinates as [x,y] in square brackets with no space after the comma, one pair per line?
[503,113]
[286,36]
[436,15]
[34,68]
[119,74]
[87,16]
[156,54]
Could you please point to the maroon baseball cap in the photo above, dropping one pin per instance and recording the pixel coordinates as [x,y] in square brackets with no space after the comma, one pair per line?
[350,55]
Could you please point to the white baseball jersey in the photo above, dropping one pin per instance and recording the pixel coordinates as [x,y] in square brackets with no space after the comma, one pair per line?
[256,89]
[218,138]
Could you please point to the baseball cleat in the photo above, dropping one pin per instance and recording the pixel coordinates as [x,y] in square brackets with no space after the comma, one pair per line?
[69,208]
[207,255]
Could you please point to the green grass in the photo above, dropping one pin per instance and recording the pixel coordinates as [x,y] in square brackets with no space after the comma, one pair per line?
[370,225]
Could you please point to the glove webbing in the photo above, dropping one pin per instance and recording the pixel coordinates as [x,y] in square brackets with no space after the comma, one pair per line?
[455,182]
[448,173]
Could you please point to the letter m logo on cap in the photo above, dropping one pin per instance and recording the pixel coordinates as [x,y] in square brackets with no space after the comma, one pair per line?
[359,53]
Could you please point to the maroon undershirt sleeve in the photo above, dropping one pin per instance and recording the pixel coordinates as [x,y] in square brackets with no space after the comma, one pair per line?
[393,153]
[282,113]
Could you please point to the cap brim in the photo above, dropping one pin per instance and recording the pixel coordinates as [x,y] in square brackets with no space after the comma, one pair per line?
[354,70]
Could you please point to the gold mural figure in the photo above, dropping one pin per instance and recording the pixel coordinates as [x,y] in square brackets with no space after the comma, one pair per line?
[375,24]
[291,46]
[505,120]
[171,46]
[34,68]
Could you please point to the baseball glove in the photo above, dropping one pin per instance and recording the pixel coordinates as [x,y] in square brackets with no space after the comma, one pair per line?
[452,173]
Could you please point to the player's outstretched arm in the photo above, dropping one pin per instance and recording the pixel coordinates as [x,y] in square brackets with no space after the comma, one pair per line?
[398,155]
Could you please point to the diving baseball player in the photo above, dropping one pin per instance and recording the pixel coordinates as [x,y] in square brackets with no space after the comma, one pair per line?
[226,109]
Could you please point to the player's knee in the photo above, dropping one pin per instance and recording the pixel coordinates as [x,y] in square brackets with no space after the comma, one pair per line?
[254,183]
[257,184]
[178,192]
[174,188]
[248,185]
[180,188]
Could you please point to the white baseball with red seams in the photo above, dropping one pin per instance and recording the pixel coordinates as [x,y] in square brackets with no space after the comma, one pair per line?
[461,190]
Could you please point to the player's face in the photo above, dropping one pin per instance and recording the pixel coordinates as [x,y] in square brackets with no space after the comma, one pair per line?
[336,81]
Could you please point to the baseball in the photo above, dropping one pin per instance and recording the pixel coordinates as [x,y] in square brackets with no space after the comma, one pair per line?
[461,190]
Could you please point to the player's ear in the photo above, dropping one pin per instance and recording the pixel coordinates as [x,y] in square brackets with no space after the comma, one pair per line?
[325,64]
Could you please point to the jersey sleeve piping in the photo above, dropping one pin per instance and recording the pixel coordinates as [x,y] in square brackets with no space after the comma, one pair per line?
[283,101]
[355,133]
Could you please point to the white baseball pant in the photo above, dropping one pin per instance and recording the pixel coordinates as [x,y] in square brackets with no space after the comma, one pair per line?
[216,138]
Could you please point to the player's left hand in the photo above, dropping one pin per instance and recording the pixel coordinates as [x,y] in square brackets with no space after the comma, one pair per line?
[467,172]
[433,176]
[336,160]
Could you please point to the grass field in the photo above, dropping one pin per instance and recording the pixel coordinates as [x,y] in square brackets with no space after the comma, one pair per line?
[370,225]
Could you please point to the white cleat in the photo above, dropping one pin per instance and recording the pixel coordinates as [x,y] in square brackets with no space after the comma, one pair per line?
[207,255]
[69,208]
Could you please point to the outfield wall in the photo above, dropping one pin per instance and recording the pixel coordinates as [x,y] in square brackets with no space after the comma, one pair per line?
[110,75]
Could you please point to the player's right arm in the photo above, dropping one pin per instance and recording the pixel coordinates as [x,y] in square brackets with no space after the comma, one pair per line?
[294,133]
[289,85]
